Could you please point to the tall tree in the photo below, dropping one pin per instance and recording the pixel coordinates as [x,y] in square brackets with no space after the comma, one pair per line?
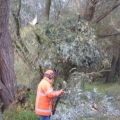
[7,74]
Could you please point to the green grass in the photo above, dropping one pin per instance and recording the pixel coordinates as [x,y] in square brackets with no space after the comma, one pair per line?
[25,115]
[108,88]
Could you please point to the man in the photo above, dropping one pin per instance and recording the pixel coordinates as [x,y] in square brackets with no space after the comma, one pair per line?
[45,95]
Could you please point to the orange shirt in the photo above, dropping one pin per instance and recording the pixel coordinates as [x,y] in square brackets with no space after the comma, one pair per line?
[44,98]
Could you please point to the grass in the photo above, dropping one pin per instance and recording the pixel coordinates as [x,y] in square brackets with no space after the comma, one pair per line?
[107,88]
[22,114]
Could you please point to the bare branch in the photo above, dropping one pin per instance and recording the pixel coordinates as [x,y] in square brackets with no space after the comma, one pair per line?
[106,13]
[107,35]
[98,73]
[118,29]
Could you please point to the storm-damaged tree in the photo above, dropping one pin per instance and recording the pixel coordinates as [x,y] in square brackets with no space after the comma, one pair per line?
[7,74]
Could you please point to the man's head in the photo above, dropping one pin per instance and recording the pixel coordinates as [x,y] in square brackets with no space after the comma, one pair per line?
[51,74]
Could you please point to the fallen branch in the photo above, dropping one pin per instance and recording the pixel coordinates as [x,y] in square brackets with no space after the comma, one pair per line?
[98,73]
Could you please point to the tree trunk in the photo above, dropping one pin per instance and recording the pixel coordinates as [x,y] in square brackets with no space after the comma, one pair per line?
[90,10]
[47,8]
[7,74]
[110,74]
[118,79]
[113,66]
[118,67]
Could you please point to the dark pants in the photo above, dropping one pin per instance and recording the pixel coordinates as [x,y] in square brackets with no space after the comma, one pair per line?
[44,117]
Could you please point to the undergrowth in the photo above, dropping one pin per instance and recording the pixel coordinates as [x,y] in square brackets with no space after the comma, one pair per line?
[25,112]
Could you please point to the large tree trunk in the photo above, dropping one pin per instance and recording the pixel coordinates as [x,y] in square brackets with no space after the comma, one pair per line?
[7,74]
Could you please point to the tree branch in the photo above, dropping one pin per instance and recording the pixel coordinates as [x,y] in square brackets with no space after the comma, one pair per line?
[106,13]
[99,72]
[107,35]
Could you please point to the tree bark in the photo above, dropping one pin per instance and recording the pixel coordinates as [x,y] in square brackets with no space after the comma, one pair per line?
[107,35]
[7,74]
[113,66]
[118,79]
[90,10]
[47,8]
[118,67]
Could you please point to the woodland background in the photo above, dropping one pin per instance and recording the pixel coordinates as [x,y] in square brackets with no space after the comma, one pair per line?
[79,38]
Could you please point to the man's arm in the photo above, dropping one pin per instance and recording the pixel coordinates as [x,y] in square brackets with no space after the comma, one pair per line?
[53,94]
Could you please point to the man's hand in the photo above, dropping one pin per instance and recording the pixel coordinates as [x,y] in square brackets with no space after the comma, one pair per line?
[61,92]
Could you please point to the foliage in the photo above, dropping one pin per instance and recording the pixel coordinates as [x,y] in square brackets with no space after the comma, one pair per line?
[71,40]
[69,37]
[79,104]
[78,46]
[24,74]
